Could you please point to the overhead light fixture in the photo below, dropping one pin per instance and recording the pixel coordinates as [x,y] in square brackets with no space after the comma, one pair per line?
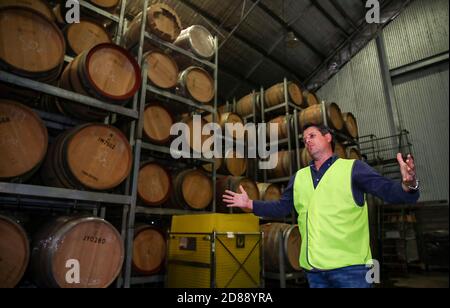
[292,40]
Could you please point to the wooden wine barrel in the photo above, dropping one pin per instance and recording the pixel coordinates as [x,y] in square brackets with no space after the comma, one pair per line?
[91,156]
[234,119]
[157,123]
[107,5]
[106,72]
[269,192]
[314,115]
[81,37]
[291,243]
[35,45]
[14,252]
[223,118]
[283,166]
[305,158]
[162,21]
[196,83]
[149,250]
[93,242]
[275,95]
[244,107]
[339,150]
[192,190]
[36,5]
[198,40]
[196,146]
[23,141]
[154,184]
[218,164]
[232,183]
[353,153]
[232,165]
[283,126]
[310,99]
[162,69]
[350,124]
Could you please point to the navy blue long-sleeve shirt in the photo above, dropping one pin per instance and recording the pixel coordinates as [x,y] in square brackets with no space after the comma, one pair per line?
[364,180]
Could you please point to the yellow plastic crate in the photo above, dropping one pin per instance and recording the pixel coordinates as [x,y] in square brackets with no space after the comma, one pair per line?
[235,262]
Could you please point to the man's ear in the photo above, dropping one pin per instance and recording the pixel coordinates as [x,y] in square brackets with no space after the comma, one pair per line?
[329,137]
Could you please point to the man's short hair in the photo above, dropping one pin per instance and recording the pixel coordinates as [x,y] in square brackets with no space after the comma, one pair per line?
[323,130]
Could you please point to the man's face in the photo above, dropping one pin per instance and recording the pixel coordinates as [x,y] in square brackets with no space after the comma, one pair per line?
[315,142]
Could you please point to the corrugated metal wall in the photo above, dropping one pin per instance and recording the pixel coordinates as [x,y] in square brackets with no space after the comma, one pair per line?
[358,88]
[423,103]
[420,32]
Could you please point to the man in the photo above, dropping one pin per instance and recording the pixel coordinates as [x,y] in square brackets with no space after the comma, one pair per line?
[329,197]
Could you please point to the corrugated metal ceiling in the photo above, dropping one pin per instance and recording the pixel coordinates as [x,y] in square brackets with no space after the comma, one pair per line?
[258,54]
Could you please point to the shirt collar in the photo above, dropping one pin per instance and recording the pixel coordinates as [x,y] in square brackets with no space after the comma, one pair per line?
[328,163]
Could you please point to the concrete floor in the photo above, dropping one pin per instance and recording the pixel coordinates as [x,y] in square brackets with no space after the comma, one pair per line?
[419,280]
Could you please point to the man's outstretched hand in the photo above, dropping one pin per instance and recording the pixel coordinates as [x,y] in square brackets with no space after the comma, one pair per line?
[241,200]
[408,171]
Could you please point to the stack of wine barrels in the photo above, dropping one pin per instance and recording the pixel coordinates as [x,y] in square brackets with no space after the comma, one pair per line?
[269,192]
[89,245]
[290,243]
[14,252]
[106,72]
[232,184]
[314,116]
[149,249]
[91,156]
[23,141]
[186,193]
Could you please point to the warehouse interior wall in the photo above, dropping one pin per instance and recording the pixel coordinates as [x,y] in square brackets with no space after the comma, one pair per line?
[420,98]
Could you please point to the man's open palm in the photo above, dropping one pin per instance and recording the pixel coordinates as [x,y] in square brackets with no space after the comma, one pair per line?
[241,200]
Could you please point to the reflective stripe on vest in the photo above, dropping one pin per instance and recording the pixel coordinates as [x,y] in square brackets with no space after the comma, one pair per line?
[334,228]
